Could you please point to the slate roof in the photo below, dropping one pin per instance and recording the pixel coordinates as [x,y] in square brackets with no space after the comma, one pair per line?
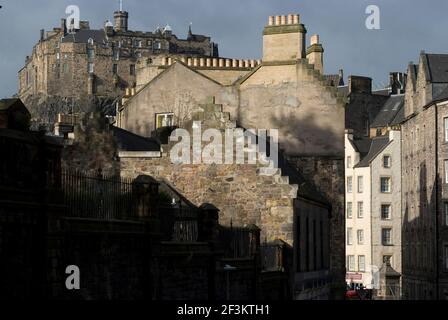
[83,36]
[129,141]
[377,145]
[391,113]
[361,145]
[436,67]
[5,104]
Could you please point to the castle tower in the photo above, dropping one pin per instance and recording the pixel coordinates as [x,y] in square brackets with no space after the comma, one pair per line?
[315,54]
[284,39]
[121,19]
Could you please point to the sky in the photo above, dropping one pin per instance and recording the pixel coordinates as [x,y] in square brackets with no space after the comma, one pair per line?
[407,27]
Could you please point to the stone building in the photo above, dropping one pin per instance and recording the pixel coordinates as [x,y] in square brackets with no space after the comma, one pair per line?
[70,64]
[284,91]
[424,179]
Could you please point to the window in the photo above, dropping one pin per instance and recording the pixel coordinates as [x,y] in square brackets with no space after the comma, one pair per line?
[386,235]
[360,235]
[164,120]
[446,171]
[445,249]
[385,211]
[65,68]
[149,43]
[361,263]
[138,43]
[90,41]
[349,236]
[385,185]
[349,210]
[360,184]
[132,69]
[351,263]
[360,210]
[445,124]
[349,184]
[116,54]
[445,209]
[387,259]
[157,45]
[349,162]
[58,56]
[387,161]
[115,68]
[90,53]
[91,67]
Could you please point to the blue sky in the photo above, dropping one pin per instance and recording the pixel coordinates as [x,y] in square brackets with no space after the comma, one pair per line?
[407,27]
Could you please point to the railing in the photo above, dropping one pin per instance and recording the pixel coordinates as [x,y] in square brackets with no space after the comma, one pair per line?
[98,196]
[239,242]
[179,223]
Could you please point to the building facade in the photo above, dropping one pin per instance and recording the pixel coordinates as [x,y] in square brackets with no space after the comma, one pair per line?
[373,210]
[71,66]
[424,179]
[283,92]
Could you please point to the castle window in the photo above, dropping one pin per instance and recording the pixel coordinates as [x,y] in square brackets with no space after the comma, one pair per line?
[138,43]
[65,67]
[149,43]
[58,56]
[90,41]
[157,45]
[91,67]
[115,68]
[164,120]
[116,54]
[90,53]
[132,69]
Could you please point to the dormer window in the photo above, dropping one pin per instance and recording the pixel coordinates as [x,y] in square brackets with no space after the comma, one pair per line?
[90,41]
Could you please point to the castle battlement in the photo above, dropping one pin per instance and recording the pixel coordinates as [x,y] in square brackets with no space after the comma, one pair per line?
[214,63]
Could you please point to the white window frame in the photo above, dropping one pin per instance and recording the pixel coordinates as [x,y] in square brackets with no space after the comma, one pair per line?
[349,162]
[349,184]
[166,116]
[389,164]
[361,263]
[349,236]
[91,67]
[383,242]
[389,184]
[360,236]
[445,124]
[351,263]
[349,210]
[360,210]
[390,211]
[360,184]
[446,170]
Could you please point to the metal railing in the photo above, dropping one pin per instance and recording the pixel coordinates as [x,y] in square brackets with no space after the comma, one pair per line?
[239,242]
[179,223]
[98,196]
